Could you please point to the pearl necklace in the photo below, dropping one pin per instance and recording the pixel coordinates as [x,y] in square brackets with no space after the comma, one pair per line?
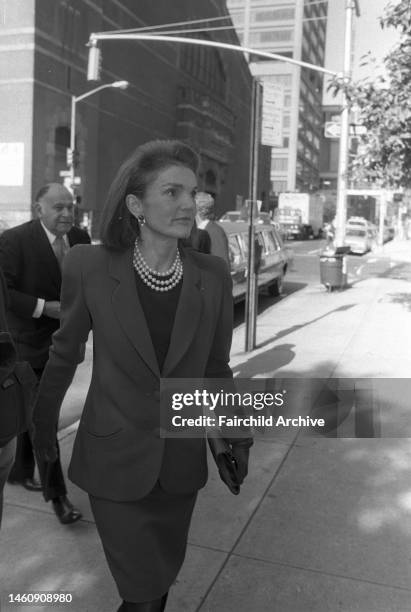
[157,280]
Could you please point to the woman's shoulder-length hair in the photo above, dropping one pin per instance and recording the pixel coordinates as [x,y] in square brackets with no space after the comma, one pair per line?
[118,227]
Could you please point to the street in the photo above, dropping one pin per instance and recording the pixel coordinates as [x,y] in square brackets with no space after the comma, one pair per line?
[322,523]
[302,274]
[305,271]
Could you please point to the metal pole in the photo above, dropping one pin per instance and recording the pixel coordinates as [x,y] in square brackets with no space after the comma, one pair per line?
[206,43]
[383,212]
[72,141]
[247,15]
[341,212]
[252,292]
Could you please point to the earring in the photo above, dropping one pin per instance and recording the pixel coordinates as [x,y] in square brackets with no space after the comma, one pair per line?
[141,219]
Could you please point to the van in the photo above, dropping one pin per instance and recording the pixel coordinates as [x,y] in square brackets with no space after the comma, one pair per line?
[273,261]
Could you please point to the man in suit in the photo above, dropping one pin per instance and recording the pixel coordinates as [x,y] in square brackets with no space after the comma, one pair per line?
[7,450]
[205,221]
[31,256]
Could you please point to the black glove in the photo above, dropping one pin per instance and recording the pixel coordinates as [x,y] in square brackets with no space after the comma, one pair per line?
[240,448]
[231,457]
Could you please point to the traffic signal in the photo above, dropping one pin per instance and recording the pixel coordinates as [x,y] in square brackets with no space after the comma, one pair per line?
[94,63]
[69,157]
[72,157]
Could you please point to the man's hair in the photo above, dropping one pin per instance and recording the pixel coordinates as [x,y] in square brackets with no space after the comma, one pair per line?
[42,192]
[118,227]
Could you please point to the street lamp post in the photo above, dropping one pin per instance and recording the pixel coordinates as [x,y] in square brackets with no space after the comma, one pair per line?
[74,99]
[341,210]
[93,74]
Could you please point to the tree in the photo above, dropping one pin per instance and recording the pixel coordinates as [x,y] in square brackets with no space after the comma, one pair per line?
[383,106]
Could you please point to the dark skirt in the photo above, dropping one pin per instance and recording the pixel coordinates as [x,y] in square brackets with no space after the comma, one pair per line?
[144,541]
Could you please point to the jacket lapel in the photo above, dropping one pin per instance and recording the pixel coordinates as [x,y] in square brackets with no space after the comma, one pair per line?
[128,309]
[187,314]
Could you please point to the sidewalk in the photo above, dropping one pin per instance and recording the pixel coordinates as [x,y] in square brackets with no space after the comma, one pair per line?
[321,525]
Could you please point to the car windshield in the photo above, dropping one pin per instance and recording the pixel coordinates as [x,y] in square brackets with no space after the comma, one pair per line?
[355,232]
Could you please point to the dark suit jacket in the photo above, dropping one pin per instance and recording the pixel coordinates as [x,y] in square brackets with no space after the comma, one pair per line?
[32,271]
[8,356]
[118,452]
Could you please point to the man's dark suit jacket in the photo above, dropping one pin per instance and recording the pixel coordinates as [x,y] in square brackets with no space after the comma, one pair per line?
[119,453]
[32,271]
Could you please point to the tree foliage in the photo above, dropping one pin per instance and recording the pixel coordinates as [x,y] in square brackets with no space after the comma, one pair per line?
[383,106]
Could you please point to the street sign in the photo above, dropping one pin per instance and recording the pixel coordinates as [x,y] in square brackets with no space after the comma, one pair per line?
[332,129]
[272,115]
[64,173]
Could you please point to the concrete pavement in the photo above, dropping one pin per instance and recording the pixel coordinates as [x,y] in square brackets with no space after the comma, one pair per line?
[322,524]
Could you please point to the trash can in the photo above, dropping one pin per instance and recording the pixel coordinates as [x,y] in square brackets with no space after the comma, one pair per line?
[333,268]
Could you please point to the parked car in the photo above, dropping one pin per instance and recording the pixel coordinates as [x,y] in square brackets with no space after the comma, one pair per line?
[264,217]
[390,232]
[360,239]
[231,215]
[273,261]
[361,222]
[241,215]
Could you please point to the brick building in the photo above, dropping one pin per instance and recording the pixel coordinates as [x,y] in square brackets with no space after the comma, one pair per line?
[196,94]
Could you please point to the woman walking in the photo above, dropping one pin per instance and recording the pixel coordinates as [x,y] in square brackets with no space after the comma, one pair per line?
[156,310]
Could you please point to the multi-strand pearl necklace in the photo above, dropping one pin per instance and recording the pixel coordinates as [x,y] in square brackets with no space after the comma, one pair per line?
[157,280]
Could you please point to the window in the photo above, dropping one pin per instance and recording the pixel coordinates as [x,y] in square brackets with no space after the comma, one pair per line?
[234,251]
[205,64]
[62,136]
[274,14]
[279,164]
[286,142]
[278,186]
[275,36]
[270,245]
[284,79]
[287,100]
[286,121]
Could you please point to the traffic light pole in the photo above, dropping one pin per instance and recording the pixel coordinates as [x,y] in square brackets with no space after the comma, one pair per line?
[93,74]
[72,153]
[72,143]
[251,302]
[341,210]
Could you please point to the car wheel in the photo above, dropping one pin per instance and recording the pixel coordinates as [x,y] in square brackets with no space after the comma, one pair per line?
[275,289]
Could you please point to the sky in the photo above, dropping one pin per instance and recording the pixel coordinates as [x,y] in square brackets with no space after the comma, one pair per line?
[368,36]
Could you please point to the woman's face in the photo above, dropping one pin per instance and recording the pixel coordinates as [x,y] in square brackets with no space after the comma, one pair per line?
[168,203]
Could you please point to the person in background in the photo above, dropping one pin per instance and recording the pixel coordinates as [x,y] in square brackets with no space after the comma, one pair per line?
[205,220]
[199,240]
[156,310]
[31,257]
[6,450]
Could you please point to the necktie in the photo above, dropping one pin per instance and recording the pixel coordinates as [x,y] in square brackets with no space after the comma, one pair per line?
[59,248]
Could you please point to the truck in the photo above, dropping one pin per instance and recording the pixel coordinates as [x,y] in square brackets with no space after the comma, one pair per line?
[300,215]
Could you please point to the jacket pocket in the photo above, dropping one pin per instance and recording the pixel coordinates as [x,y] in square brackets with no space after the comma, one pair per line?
[104,436]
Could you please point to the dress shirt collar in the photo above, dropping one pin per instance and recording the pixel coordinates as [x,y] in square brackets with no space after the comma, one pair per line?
[51,237]
[201,223]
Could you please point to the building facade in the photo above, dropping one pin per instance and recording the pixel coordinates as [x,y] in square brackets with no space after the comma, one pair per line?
[295,29]
[201,95]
